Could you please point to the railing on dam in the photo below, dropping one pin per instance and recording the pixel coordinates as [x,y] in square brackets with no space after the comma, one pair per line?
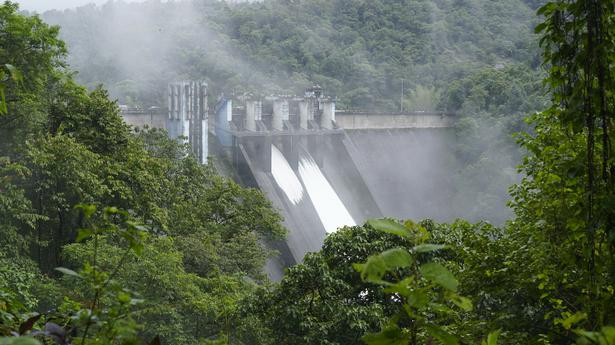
[344,119]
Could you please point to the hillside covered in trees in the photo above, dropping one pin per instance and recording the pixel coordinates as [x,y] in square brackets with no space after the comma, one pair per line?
[358,50]
[113,235]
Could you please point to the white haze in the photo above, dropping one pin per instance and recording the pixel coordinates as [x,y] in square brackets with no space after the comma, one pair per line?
[154,42]
[46,5]
[145,45]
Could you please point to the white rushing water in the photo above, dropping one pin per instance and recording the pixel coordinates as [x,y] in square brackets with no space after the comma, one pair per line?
[285,177]
[332,212]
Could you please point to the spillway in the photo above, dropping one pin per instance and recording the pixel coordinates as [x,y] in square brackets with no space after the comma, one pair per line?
[330,209]
[408,171]
[285,177]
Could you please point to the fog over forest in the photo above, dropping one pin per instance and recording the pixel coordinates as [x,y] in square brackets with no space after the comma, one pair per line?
[441,51]
[45,5]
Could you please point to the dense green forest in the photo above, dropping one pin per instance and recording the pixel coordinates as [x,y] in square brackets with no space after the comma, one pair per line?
[359,51]
[112,235]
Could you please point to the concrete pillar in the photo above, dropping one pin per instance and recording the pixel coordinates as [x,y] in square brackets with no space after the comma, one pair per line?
[258,111]
[315,146]
[304,114]
[185,120]
[204,116]
[328,115]
[188,115]
[170,100]
[280,114]
[171,105]
[204,141]
[176,105]
[174,123]
[253,114]
[224,114]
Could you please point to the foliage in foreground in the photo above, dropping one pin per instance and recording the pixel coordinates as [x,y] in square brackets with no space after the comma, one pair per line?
[62,146]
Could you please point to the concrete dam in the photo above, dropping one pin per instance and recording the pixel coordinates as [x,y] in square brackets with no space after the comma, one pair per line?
[321,167]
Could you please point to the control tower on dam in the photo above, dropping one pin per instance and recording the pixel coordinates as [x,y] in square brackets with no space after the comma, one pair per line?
[321,167]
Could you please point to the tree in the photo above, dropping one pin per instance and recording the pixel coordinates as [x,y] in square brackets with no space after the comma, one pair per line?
[423,291]
[66,146]
[566,202]
[31,54]
[322,300]
[325,301]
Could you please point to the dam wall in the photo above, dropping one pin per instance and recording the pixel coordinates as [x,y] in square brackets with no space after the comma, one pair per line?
[152,118]
[408,171]
[349,120]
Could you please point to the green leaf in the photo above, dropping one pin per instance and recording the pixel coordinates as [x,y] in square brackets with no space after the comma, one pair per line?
[439,275]
[424,248]
[372,270]
[460,301]
[68,272]
[573,319]
[443,336]
[377,265]
[390,226]
[609,333]
[396,258]
[492,338]
[123,297]
[19,341]
[83,234]
[391,335]
[418,298]
[540,27]
[402,287]
[88,210]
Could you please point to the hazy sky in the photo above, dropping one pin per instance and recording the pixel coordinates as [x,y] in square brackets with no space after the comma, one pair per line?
[44,5]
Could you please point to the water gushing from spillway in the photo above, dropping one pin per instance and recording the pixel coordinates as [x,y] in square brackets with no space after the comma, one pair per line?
[285,177]
[330,208]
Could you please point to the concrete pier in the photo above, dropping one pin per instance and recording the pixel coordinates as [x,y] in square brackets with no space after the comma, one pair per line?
[328,114]
[253,113]
[223,118]
[304,113]
[280,114]
[188,116]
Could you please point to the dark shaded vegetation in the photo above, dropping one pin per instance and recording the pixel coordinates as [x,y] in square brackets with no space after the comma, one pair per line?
[64,146]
